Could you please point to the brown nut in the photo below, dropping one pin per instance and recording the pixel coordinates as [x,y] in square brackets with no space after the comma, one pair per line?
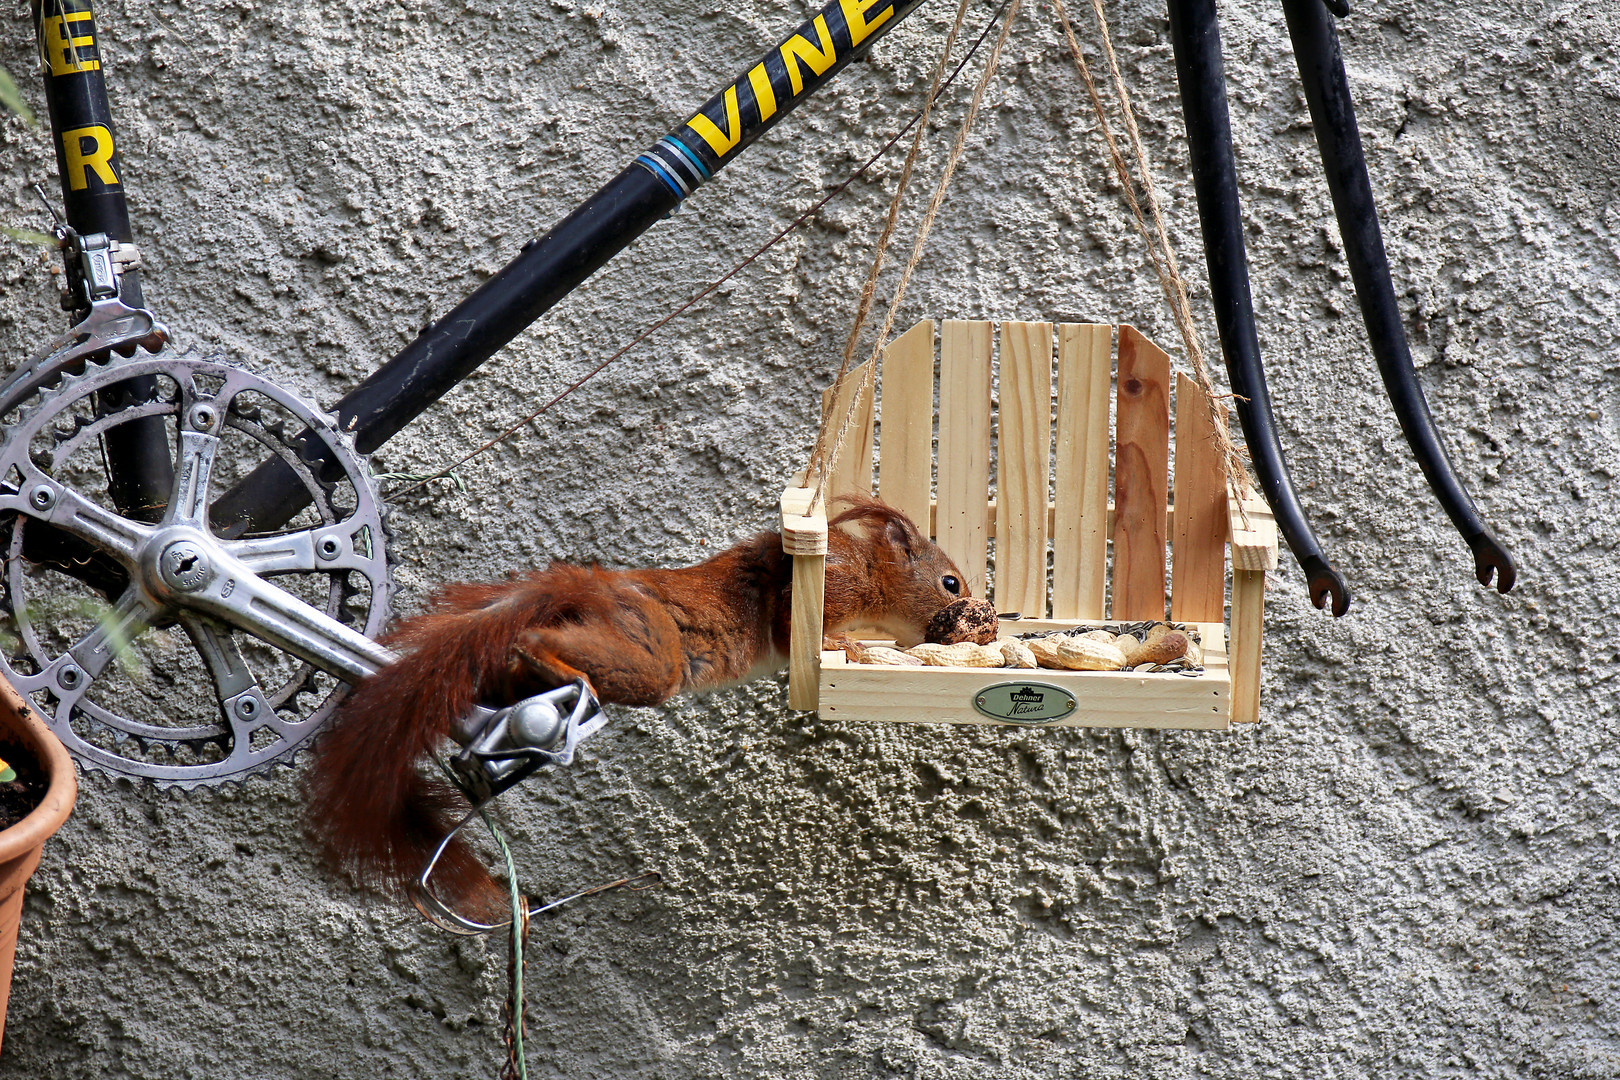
[1161,648]
[1077,654]
[967,619]
[1045,651]
[962,654]
[889,657]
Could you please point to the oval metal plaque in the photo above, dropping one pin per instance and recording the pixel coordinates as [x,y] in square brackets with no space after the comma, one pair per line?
[1025,702]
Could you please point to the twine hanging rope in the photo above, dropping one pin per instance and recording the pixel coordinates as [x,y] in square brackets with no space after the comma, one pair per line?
[830,442]
[1162,254]
[880,249]
[869,288]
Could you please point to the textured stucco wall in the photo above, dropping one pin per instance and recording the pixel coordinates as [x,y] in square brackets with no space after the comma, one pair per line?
[1407,870]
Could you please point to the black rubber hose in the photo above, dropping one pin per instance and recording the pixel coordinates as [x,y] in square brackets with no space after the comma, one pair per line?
[1327,90]
[1197,42]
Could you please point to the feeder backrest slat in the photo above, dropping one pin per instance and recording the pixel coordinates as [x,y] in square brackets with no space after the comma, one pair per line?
[1080,511]
[906,471]
[1051,493]
[851,470]
[1141,476]
[1024,433]
[963,520]
[1198,555]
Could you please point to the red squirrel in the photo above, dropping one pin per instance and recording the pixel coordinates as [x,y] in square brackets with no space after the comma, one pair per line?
[639,636]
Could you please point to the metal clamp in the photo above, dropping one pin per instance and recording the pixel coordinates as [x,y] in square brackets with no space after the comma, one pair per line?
[95,262]
[504,746]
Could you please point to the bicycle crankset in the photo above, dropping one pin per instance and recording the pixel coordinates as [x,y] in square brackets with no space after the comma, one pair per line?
[127,634]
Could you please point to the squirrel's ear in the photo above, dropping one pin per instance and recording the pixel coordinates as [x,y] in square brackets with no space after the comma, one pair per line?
[900,533]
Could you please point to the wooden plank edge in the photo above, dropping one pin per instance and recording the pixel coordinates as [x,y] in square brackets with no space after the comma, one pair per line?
[1248,619]
[1253,531]
[803,532]
[805,631]
[804,537]
[942,695]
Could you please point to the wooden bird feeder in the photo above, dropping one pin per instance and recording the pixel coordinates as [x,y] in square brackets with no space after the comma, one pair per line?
[1062,553]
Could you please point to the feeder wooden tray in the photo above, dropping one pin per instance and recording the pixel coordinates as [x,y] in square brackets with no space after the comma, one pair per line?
[1051,523]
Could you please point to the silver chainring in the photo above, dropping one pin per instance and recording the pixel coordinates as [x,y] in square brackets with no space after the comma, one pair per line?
[153,685]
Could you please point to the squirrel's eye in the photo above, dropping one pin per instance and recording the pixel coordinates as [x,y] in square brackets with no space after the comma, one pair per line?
[952,586]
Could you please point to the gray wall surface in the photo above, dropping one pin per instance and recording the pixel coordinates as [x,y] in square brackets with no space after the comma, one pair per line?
[1408,869]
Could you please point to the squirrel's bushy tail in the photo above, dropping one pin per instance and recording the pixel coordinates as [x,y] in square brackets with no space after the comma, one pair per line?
[370,808]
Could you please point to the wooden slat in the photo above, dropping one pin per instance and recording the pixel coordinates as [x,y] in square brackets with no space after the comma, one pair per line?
[851,470]
[1079,514]
[906,471]
[1141,476]
[1024,430]
[804,536]
[804,630]
[1254,532]
[964,447]
[1198,545]
[1248,614]
[1254,551]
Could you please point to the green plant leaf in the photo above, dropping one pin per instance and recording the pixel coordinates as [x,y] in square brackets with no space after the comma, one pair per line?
[27,236]
[12,100]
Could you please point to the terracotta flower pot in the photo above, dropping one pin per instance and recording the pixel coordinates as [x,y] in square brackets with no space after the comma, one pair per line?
[20,845]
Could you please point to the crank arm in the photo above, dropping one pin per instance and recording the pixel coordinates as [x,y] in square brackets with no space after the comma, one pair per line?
[1197,43]
[230,592]
[181,566]
[1327,90]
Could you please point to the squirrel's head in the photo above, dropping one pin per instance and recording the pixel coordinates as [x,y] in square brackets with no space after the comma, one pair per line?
[909,579]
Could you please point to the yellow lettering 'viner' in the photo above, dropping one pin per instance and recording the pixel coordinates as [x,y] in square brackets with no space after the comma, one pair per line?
[719,141]
[860,27]
[764,93]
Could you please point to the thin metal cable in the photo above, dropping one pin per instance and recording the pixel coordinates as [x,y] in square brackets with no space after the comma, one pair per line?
[717,282]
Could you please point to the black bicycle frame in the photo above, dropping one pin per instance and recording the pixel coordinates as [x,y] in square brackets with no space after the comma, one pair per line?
[648,189]
[91,171]
[450,348]
[547,269]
